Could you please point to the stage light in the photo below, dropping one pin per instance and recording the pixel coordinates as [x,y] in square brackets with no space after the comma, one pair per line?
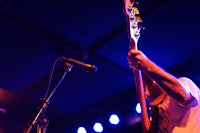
[81,130]
[138,108]
[114,119]
[98,127]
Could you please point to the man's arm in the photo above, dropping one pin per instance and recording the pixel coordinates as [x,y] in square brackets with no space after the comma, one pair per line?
[169,84]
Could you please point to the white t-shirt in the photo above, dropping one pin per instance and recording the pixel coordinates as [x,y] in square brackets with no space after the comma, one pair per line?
[176,118]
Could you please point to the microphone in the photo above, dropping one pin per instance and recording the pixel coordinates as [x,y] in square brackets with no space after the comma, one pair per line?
[89,67]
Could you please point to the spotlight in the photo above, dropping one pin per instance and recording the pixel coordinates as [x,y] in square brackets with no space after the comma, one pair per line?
[81,130]
[138,108]
[98,127]
[114,119]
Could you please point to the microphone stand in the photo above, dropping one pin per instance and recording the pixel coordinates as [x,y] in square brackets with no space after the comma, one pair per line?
[43,120]
[43,123]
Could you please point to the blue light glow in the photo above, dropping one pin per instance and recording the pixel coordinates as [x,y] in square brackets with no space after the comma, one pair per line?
[138,108]
[81,130]
[98,127]
[114,119]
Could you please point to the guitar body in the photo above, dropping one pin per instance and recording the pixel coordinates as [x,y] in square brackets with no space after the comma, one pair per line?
[134,33]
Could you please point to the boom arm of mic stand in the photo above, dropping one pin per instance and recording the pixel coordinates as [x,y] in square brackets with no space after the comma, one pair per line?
[46,101]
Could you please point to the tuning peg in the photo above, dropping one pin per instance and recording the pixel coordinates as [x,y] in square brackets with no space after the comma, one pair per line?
[136,10]
[134,24]
[138,19]
[137,34]
[133,9]
[135,20]
[132,16]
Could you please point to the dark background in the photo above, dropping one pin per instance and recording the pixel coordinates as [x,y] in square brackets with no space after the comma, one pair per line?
[34,33]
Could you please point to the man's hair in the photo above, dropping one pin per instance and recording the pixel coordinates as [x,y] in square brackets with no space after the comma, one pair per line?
[146,79]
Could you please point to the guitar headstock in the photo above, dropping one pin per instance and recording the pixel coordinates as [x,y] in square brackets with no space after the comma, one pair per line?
[133,19]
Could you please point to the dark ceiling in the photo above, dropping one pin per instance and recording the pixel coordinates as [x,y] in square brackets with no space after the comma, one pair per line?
[35,33]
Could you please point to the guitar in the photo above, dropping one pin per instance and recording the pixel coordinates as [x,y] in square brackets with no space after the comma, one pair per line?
[132,14]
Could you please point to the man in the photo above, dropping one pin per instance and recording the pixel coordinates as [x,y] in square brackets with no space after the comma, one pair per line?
[176,98]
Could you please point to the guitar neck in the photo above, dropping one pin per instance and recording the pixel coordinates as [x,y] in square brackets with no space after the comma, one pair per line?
[134,34]
[141,99]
